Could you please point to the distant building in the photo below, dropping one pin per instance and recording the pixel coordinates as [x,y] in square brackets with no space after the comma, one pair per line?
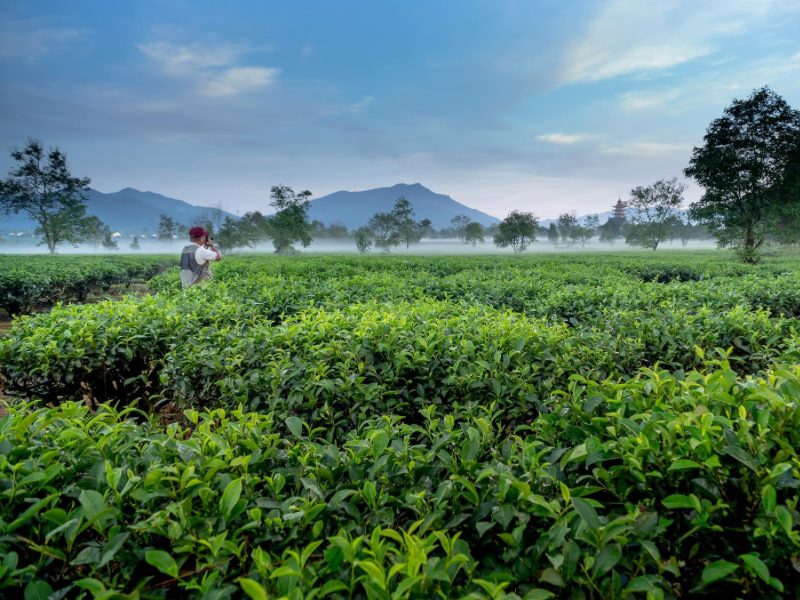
[619,210]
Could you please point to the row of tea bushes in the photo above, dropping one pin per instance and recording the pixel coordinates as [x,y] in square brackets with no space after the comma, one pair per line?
[210,345]
[663,486]
[26,281]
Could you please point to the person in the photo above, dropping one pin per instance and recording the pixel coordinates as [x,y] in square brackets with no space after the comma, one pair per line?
[196,258]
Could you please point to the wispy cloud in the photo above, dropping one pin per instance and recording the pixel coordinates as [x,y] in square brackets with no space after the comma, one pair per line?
[212,67]
[631,37]
[648,149]
[26,39]
[307,51]
[358,107]
[564,138]
[646,100]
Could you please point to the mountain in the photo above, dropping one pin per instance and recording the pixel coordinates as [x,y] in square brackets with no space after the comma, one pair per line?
[127,210]
[355,208]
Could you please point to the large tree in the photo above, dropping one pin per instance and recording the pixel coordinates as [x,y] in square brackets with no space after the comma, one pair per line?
[167,228]
[384,229]
[749,168]
[290,222]
[459,224]
[407,229]
[94,231]
[474,233]
[42,187]
[552,234]
[654,212]
[568,227]
[517,230]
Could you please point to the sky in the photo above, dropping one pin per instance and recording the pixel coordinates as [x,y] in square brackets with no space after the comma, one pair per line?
[544,106]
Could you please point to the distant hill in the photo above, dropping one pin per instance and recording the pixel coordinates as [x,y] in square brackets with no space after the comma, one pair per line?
[355,208]
[127,210]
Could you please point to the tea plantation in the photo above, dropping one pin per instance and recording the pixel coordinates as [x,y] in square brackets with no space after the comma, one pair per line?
[572,426]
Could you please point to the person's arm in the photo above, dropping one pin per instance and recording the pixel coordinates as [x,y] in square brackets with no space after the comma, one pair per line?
[207,253]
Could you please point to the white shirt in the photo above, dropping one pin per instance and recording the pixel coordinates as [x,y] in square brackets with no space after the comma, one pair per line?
[204,255]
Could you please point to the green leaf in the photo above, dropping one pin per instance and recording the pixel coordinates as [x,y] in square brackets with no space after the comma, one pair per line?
[334,585]
[606,560]
[757,565]
[587,513]
[770,498]
[784,518]
[252,588]
[93,585]
[369,493]
[295,425]
[538,594]
[742,456]
[717,570]
[111,548]
[683,464]
[379,443]
[677,501]
[551,576]
[93,504]
[230,497]
[162,561]
[38,590]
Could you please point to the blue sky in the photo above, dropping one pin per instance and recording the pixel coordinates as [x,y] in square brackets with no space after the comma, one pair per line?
[540,105]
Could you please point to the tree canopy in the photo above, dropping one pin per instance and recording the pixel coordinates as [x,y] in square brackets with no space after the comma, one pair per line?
[654,212]
[42,186]
[749,168]
[517,230]
[290,222]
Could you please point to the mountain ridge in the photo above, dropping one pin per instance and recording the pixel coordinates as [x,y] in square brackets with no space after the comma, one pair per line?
[127,210]
[354,209]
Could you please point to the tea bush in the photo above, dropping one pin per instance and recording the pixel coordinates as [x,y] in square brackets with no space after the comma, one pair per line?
[573,426]
[26,281]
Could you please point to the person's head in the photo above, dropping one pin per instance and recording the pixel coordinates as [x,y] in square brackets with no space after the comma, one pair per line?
[197,235]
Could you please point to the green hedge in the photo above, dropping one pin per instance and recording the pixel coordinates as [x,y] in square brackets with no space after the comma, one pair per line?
[662,485]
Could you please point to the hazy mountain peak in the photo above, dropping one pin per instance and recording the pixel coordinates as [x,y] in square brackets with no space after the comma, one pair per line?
[354,209]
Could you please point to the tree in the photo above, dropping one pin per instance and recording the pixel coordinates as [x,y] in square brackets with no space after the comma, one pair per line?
[749,168]
[588,230]
[212,217]
[685,231]
[135,243]
[363,243]
[567,228]
[425,228]
[517,230]
[407,229]
[252,228]
[610,231]
[42,187]
[337,230]
[94,231]
[655,212]
[552,234]
[384,229]
[167,228]
[473,234]
[459,224]
[290,222]
[109,243]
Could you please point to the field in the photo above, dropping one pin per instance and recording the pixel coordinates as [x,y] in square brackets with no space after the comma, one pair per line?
[571,426]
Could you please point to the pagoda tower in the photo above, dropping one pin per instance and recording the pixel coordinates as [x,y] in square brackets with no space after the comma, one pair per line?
[619,210]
